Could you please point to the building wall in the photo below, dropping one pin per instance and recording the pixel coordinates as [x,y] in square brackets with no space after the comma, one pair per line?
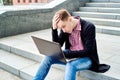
[17,2]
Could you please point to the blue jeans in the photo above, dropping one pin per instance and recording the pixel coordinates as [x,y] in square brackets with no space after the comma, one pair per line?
[71,67]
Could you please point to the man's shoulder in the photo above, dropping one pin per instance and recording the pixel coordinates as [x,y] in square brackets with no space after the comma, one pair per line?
[86,24]
[83,21]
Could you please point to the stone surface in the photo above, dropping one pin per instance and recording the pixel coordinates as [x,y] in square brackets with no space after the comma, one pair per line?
[26,20]
[108,49]
[53,74]
[108,30]
[105,22]
[4,75]
[100,9]
[13,63]
[105,4]
[97,15]
[106,0]
[104,14]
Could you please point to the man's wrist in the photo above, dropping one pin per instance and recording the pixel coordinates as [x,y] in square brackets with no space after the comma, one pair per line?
[54,29]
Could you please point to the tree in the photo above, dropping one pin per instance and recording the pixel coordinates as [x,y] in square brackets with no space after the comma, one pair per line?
[7,2]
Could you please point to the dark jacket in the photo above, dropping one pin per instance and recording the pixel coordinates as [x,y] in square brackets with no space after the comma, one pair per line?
[89,43]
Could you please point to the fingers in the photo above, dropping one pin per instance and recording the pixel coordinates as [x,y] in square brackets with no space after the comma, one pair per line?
[55,20]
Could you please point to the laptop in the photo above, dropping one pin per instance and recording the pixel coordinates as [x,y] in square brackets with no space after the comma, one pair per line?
[49,48]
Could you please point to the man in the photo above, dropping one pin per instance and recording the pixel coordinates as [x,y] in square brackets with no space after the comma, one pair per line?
[80,46]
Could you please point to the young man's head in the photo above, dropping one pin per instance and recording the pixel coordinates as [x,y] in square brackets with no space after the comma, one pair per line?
[66,21]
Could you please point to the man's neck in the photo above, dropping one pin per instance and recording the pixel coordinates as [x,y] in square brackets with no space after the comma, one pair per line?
[75,22]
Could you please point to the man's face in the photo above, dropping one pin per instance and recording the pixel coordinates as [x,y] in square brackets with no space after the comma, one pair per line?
[66,25]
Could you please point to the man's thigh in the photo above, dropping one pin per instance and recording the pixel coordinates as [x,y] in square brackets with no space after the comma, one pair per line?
[81,63]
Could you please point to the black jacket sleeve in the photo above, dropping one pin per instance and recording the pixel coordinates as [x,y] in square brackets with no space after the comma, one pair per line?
[59,39]
[89,44]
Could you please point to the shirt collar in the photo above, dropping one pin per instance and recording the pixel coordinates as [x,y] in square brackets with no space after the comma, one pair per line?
[78,27]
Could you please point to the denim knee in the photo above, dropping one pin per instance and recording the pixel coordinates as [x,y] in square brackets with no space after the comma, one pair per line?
[49,59]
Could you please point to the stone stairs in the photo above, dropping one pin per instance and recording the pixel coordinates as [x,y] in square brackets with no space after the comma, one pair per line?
[23,67]
[104,14]
[19,56]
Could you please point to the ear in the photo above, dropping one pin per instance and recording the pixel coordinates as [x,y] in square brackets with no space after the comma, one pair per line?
[70,19]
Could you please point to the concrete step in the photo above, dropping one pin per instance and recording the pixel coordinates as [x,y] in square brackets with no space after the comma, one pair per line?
[100,9]
[105,0]
[108,30]
[14,63]
[115,16]
[7,75]
[98,76]
[23,45]
[104,13]
[105,22]
[24,68]
[110,5]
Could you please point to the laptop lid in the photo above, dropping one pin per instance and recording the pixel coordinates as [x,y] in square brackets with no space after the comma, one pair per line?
[49,48]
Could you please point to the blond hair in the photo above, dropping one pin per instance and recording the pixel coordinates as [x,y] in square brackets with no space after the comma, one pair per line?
[64,14]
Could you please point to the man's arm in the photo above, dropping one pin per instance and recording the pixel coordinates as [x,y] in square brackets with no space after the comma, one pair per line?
[60,39]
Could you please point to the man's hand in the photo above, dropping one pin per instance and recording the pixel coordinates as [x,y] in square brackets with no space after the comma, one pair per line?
[55,20]
[67,53]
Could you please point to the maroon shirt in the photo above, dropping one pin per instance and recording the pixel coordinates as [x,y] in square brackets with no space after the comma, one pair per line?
[75,38]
